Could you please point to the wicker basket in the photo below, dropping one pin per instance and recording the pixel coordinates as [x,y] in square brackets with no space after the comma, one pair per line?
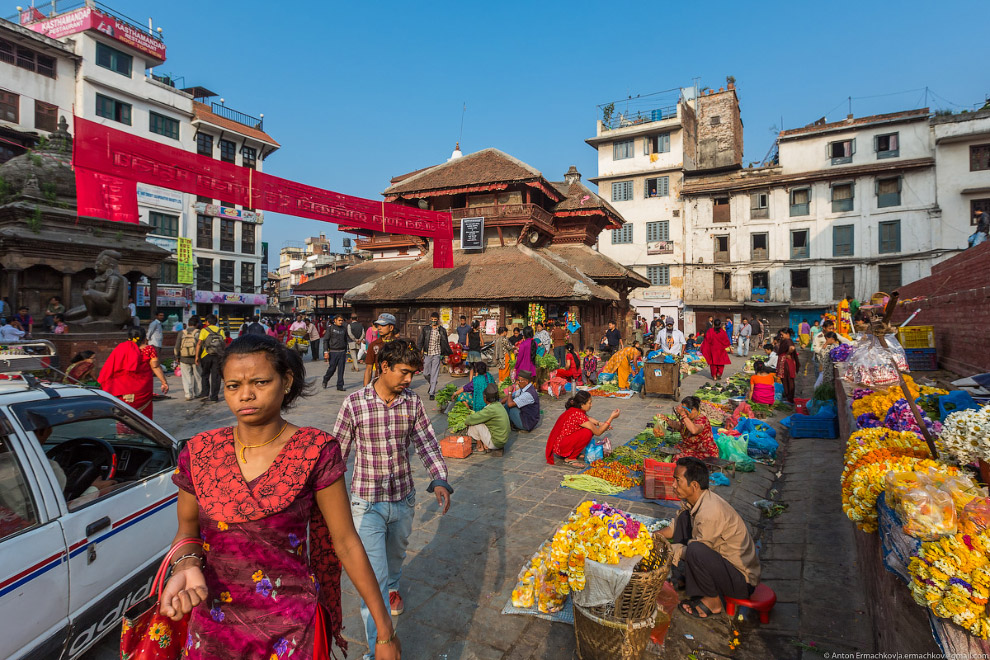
[609,638]
[639,598]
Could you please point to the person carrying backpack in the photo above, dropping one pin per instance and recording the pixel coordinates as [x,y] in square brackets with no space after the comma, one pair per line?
[185,353]
[253,327]
[209,348]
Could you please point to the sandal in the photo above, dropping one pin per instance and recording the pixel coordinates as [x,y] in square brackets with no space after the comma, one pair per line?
[697,606]
[575,464]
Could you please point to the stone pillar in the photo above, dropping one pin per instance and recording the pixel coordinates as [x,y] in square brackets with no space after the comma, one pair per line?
[153,292]
[13,288]
[67,290]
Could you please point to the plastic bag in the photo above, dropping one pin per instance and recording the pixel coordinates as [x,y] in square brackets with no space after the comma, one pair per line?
[761,445]
[870,364]
[927,513]
[178,369]
[734,448]
[718,479]
[975,516]
[594,452]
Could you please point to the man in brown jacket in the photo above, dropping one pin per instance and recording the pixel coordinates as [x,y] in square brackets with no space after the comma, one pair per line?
[711,542]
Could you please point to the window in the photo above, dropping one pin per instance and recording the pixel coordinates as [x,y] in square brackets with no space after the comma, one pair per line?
[247,277]
[843,282]
[227,205]
[658,275]
[759,246]
[140,451]
[715,121]
[27,58]
[657,231]
[843,240]
[800,201]
[978,205]
[723,286]
[656,144]
[622,191]
[247,238]
[720,210]
[842,151]
[45,116]
[722,249]
[18,505]
[886,146]
[163,125]
[800,285]
[204,199]
[226,275]
[979,157]
[759,205]
[113,109]
[622,150]
[113,59]
[163,224]
[227,151]
[890,277]
[204,144]
[169,273]
[799,244]
[249,157]
[204,274]
[658,187]
[889,192]
[761,281]
[10,106]
[204,231]
[226,235]
[622,235]
[843,195]
[890,236]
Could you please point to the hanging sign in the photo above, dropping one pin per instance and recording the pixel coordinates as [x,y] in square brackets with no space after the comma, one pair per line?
[472,233]
[184,256]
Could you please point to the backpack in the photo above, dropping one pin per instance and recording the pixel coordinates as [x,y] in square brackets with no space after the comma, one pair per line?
[187,345]
[255,329]
[214,342]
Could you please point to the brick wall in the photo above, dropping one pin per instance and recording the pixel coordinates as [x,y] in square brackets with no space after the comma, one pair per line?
[67,345]
[719,144]
[958,306]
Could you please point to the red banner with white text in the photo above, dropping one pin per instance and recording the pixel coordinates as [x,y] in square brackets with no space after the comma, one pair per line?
[109,163]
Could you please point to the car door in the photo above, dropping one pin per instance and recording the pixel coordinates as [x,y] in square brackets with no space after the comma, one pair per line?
[117,535]
[34,574]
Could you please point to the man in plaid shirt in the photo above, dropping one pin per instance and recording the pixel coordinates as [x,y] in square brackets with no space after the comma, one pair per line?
[379,421]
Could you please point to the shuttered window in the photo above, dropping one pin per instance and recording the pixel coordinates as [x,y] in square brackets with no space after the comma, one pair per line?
[887,146]
[800,201]
[843,282]
[890,236]
[889,192]
[622,235]
[658,275]
[657,231]
[843,195]
[658,187]
[621,150]
[622,191]
[843,237]
[890,277]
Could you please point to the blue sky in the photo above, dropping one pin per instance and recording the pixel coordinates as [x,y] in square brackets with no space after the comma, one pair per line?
[359,92]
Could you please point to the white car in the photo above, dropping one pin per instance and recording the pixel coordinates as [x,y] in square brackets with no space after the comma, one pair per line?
[87,510]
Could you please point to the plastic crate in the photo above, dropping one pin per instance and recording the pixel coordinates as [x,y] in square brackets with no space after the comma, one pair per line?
[917,336]
[658,481]
[807,426]
[456,446]
[921,359]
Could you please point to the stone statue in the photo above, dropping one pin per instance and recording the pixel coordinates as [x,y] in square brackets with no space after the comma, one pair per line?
[104,296]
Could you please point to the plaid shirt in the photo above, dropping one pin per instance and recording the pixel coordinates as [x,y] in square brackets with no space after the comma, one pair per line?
[381,434]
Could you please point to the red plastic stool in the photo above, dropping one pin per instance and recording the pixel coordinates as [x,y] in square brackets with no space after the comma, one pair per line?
[762,600]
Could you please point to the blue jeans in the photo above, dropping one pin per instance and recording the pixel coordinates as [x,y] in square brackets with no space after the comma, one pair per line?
[516,417]
[384,528]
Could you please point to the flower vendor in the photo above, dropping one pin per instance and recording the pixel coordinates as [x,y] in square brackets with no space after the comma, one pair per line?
[574,430]
[490,425]
[523,403]
[711,543]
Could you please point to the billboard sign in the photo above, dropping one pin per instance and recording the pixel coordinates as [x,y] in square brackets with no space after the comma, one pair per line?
[87,18]
[472,233]
[660,247]
[227,212]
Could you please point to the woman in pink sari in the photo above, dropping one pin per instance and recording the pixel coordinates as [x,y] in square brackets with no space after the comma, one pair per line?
[255,493]
[524,352]
[128,372]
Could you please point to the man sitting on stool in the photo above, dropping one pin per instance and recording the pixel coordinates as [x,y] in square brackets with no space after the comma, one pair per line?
[719,557]
[523,403]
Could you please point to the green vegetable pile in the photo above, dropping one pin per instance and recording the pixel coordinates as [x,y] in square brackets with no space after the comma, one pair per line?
[761,409]
[929,403]
[736,386]
[610,386]
[444,395]
[547,361]
[644,445]
[456,418]
[504,384]
[824,392]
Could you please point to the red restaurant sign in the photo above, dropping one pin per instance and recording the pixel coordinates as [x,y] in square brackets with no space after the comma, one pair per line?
[85,18]
[110,163]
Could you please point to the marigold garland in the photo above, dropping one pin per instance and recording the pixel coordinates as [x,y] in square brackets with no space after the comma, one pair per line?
[951,576]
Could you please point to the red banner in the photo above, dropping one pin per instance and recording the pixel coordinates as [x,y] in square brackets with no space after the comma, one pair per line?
[109,163]
[87,18]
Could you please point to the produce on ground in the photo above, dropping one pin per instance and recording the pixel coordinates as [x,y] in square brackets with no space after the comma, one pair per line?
[547,361]
[824,392]
[615,472]
[456,419]
[444,395]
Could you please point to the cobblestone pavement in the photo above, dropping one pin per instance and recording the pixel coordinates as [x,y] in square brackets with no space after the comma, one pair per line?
[461,567]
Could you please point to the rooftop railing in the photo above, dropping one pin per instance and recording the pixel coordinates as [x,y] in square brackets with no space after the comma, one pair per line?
[240,117]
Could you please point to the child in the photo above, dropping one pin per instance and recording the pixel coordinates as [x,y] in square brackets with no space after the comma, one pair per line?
[60,327]
[589,367]
[771,363]
[691,343]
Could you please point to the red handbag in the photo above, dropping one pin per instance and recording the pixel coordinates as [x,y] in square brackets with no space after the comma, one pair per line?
[146,634]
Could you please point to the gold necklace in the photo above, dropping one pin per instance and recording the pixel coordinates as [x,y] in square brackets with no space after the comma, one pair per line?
[244,446]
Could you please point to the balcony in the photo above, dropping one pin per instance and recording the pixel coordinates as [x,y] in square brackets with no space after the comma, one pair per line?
[621,119]
[386,242]
[500,214]
[247,120]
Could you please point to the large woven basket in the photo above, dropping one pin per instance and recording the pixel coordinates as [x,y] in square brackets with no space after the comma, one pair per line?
[608,638]
[639,598]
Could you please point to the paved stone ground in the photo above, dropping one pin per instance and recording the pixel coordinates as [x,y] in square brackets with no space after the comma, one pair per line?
[461,567]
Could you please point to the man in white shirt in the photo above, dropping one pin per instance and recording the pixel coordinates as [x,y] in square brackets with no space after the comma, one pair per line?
[9,332]
[132,310]
[670,339]
[745,332]
[298,324]
[156,332]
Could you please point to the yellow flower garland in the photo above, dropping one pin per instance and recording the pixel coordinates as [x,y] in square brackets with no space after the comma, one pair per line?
[951,576]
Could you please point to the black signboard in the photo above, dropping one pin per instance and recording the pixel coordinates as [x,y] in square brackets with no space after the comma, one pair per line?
[472,233]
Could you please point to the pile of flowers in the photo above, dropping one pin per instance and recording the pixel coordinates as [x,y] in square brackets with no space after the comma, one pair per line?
[966,434]
[952,577]
[616,473]
[841,352]
[900,418]
[594,531]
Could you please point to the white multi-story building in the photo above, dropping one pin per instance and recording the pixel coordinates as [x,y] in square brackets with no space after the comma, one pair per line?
[113,83]
[849,209]
[642,161]
[962,171]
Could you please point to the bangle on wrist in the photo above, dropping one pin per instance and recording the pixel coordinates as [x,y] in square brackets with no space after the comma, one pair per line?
[386,641]
[198,558]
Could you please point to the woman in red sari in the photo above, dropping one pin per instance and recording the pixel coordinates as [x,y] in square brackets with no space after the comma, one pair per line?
[713,349]
[788,363]
[253,493]
[572,366]
[695,429]
[574,430]
[128,372]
